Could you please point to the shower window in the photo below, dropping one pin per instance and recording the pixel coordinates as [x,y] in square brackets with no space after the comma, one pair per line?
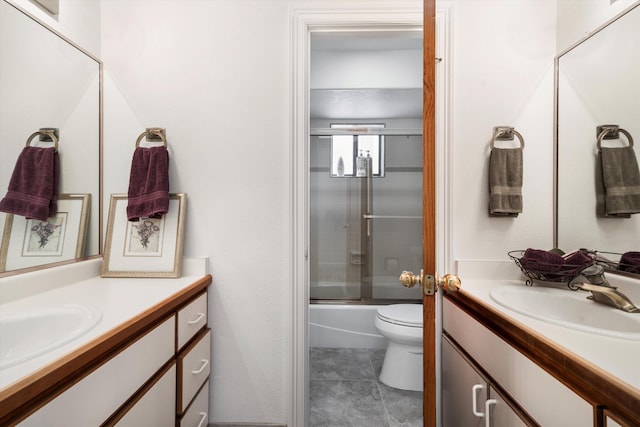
[345,150]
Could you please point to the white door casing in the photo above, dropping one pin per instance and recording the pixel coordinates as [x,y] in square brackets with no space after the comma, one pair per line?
[353,16]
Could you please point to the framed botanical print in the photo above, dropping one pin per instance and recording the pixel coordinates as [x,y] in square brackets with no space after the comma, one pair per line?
[28,242]
[150,247]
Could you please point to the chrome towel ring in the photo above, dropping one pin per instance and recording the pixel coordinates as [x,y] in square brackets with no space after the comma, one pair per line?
[506,133]
[612,132]
[158,133]
[51,133]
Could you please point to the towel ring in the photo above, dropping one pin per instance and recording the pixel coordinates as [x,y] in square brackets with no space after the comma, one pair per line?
[507,131]
[50,133]
[608,130]
[151,132]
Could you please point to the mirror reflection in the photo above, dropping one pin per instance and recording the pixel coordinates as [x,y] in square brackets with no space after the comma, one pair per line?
[597,85]
[47,82]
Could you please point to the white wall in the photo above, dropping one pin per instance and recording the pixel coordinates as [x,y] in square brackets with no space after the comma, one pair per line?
[502,76]
[367,69]
[578,18]
[215,74]
[78,20]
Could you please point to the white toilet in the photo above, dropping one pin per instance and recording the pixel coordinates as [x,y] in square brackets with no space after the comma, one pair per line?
[401,325]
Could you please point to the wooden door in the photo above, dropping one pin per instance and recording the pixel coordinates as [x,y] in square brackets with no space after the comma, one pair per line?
[429,208]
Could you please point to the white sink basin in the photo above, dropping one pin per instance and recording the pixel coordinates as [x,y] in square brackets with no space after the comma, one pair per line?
[570,309]
[25,335]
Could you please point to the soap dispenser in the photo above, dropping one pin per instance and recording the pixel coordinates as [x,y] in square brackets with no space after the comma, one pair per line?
[361,165]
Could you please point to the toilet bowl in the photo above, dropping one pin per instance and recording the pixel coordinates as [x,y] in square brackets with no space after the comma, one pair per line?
[401,325]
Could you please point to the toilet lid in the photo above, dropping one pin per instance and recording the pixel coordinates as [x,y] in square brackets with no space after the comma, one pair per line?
[402,314]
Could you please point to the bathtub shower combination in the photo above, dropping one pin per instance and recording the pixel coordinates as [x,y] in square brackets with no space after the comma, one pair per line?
[365,229]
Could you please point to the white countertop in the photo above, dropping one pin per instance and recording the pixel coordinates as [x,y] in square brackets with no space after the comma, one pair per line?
[118,299]
[617,356]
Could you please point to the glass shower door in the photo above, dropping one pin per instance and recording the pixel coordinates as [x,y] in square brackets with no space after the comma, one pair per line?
[393,232]
[365,218]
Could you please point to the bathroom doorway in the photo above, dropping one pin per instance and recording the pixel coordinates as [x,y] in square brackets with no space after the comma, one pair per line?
[353,16]
[365,216]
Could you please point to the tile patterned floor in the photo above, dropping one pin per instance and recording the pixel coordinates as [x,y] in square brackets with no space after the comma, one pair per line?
[344,391]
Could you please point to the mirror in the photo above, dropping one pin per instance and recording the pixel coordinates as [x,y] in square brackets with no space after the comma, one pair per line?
[596,84]
[47,82]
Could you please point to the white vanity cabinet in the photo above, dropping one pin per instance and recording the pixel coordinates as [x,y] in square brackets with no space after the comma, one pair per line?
[537,396]
[150,370]
[470,399]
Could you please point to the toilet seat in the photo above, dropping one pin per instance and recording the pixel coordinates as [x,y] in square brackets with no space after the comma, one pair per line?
[409,315]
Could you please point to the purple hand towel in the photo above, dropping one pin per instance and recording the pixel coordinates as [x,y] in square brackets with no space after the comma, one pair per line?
[578,259]
[630,261]
[33,188]
[542,261]
[148,183]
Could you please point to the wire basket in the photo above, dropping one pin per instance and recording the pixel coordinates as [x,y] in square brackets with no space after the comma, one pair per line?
[547,272]
[621,265]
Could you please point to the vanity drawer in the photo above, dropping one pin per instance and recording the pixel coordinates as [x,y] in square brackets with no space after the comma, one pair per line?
[191,319]
[194,366]
[197,414]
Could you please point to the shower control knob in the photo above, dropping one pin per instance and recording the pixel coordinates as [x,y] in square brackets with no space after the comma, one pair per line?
[408,279]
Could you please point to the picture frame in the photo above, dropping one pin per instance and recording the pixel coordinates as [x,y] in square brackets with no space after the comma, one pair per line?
[149,247]
[32,242]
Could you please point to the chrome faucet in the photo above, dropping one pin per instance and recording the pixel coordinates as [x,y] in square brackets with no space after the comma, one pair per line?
[602,291]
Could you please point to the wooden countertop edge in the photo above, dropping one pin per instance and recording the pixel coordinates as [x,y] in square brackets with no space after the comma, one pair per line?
[33,391]
[587,380]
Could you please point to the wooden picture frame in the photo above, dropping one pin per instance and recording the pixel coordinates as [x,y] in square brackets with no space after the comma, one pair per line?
[146,248]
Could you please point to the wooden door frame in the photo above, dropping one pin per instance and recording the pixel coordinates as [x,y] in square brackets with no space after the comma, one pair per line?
[430,401]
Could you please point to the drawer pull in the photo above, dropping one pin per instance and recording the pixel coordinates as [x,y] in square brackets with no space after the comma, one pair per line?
[203,418]
[487,408]
[205,362]
[474,400]
[197,319]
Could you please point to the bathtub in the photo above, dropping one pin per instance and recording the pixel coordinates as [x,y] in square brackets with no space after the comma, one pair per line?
[335,290]
[344,326]
[384,287]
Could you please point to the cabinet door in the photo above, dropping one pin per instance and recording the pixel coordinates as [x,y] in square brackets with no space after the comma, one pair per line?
[155,408]
[462,387]
[500,413]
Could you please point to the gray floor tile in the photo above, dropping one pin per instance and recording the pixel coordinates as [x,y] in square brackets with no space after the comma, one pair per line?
[345,403]
[345,391]
[341,363]
[404,408]
[377,358]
